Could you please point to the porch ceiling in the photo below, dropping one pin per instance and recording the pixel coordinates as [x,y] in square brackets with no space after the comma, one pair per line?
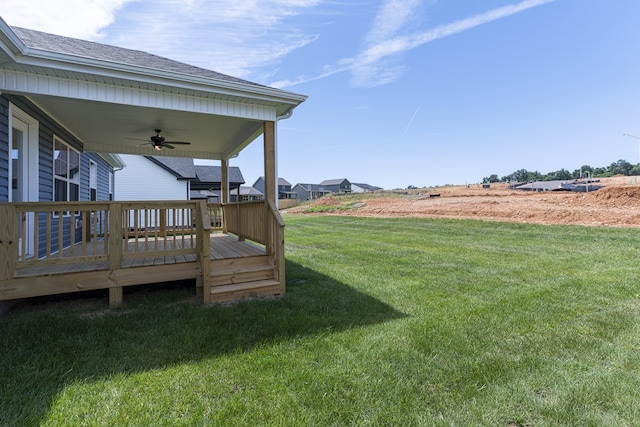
[125,129]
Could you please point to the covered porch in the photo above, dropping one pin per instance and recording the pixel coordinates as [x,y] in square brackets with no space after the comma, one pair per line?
[106,99]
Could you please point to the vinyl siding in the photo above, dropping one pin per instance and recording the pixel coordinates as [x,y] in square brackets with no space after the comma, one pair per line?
[142,179]
[4,149]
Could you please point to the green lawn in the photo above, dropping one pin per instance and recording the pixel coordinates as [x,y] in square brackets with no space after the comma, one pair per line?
[386,322]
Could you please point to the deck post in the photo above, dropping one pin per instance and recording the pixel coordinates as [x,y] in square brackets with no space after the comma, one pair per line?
[115,252]
[273,233]
[270,184]
[224,191]
[203,241]
[8,243]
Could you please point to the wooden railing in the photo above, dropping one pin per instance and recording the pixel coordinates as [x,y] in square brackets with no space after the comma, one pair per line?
[101,240]
[246,220]
[288,203]
[275,243]
[40,240]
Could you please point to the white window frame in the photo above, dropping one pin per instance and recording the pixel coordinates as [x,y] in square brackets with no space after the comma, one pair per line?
[93,179]
[68,180]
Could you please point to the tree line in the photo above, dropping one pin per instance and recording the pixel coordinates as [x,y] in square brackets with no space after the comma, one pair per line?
[621,167]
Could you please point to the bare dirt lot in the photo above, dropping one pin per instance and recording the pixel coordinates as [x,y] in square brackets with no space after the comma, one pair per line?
[617,204]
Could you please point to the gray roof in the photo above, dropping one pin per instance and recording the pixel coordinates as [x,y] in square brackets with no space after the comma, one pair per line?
[181,167]
[313,187]
[555,185]
[86,49]
[281,181]
[366,186]
[206,173]
[247,191]
[184,168]
[203,194]
[334,181]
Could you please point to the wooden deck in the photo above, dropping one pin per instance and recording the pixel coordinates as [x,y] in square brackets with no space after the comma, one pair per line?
[221,247]
[122,244]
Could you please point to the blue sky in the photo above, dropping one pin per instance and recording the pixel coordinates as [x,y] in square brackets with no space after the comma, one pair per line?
[401,92]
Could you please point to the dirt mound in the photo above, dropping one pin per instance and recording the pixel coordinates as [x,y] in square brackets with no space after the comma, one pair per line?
[617,204]
[617,195]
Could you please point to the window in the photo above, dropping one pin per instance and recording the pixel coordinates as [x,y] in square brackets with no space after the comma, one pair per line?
[93,181]
[66,172]
[110,185]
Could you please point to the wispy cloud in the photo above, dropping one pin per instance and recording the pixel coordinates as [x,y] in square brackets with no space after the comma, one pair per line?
[71,18]
[374,65]
[235,37]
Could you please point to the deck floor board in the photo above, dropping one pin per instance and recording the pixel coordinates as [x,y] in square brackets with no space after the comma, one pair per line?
[221,246]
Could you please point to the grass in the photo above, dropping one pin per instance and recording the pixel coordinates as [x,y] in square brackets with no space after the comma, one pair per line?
[386,322]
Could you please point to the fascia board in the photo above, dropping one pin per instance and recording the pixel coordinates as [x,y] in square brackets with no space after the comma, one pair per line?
[113,160]
[10,42]
[65,62]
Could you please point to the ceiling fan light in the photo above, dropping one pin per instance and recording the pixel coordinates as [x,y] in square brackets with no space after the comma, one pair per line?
[157,147]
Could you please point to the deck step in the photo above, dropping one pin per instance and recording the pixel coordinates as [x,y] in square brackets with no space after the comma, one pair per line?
[252,269]
[238,291]
[223,264]
[239,275]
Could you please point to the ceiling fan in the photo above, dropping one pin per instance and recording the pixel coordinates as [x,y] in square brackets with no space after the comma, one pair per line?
[158,142]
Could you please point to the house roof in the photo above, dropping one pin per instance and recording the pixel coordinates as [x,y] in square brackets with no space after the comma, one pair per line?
[281,181]
[313,187]
[112,98]
[555,185]
[202,194]
[247,191]
[366,186]
[205,173]
[182,168]
[334,181]
[186,169]
[117,55]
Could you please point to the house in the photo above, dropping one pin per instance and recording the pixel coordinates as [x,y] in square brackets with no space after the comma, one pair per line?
[170,178]
[337,185]
[310,191]
[68,108]
[284,188]
[364,188]
[247,194]
[209,178]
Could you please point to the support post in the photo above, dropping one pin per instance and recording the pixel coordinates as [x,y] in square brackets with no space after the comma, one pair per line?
[8,242]
[115,252]
[203,241]
[270,179]
[270,184]
[224,191]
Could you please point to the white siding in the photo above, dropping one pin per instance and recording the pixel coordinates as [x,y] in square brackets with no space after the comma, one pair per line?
[141,179]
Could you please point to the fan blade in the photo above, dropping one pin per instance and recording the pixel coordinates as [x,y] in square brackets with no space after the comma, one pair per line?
[178,142]
[144,143]
[168,146]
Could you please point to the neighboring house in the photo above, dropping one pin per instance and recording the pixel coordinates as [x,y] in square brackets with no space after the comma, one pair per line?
[363,188]
[62,100]
[171,178]
[337,185]
[209,196]
[284,188]
[209,177]
[310,191]
[246,194]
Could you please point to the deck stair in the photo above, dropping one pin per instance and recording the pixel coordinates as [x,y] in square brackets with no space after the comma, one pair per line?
[236,278]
